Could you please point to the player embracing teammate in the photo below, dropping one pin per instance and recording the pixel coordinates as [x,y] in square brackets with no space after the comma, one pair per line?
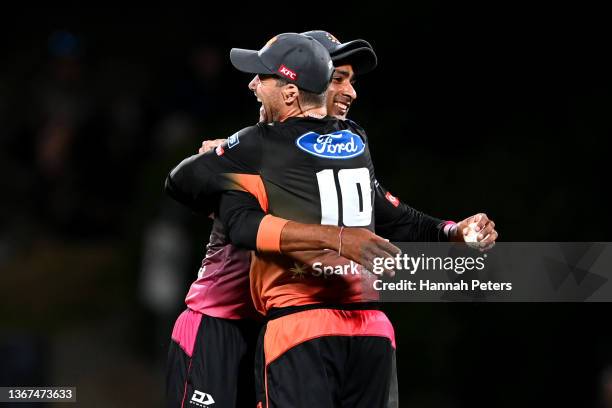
[270,185]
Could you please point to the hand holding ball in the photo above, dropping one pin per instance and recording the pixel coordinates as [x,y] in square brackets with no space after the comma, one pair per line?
[471,238]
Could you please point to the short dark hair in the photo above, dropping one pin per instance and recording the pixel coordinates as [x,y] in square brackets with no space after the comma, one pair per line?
[310,98]
[306,97]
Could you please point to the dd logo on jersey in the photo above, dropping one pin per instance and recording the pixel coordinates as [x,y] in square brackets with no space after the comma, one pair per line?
[342,144]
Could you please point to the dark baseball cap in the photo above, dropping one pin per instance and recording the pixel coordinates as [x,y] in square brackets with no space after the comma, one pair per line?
[295,57]
[358,53]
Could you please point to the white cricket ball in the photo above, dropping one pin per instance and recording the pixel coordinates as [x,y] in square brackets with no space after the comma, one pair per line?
[472,236]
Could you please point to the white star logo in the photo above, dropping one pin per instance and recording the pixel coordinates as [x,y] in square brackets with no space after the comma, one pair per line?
[299,271]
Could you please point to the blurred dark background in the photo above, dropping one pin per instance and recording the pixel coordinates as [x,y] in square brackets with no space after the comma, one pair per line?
[496,107]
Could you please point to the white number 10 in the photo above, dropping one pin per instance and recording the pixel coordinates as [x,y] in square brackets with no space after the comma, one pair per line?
[355,193]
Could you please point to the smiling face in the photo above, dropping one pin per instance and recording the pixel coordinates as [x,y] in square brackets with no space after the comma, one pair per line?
[341,94]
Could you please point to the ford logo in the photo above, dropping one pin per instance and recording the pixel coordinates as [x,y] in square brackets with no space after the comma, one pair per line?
[338,145]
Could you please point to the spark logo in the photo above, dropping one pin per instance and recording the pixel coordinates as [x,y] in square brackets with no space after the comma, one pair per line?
[286,72]
[201,399]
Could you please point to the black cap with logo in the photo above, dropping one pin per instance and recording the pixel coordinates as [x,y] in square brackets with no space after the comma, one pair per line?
[358,53]
[295,57]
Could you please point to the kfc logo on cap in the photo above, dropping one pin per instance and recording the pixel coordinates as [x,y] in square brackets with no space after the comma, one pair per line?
[286,72]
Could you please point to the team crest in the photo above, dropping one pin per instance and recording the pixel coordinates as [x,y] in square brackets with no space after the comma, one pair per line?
[332,38]
[268,44]
[272,40]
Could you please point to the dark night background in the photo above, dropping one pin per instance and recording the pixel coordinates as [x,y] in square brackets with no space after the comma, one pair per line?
[495,107]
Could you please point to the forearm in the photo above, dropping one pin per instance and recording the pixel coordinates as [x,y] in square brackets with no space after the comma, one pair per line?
[428,228]
[399,222]
[412,226]
[187,184]
[249,227]
[202,177]
[296,236]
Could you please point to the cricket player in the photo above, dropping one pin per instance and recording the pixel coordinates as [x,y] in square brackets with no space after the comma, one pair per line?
[266,171]
[216,319]
[217,356]
[211,353]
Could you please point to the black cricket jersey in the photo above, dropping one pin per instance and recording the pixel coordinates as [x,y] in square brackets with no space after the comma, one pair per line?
[316,171]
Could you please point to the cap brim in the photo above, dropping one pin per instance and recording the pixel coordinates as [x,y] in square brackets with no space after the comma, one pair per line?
[248,61]
[351,45]
[358,53]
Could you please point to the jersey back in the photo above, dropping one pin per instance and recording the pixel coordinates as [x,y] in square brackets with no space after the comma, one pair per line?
[314,172]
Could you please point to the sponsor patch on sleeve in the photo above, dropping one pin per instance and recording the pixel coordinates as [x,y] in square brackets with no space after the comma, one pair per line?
[232,141]
[392,199]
